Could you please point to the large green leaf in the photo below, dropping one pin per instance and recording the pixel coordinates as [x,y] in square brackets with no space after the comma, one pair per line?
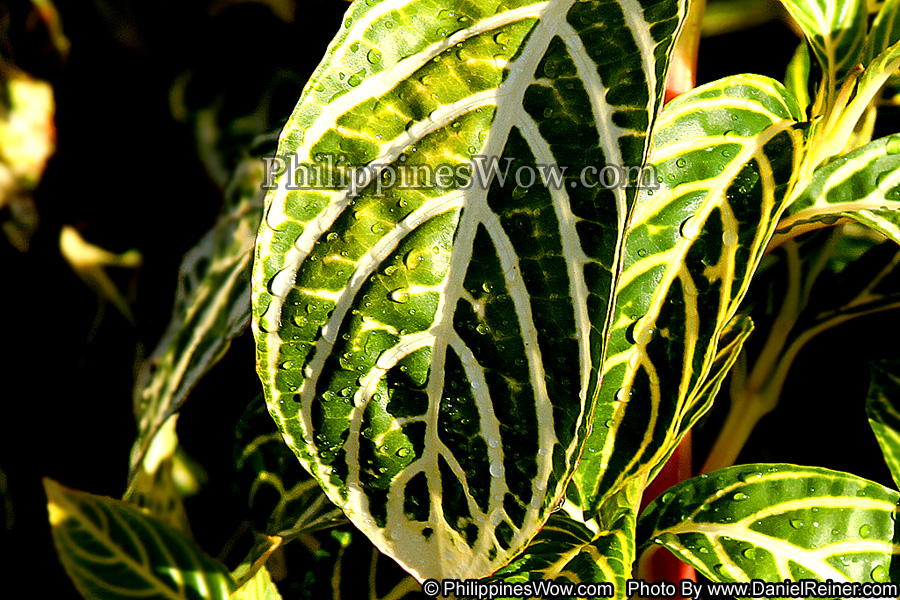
[883,406]
[725,154]
[429,351]
[863,185]
[112,551]
[777,522]
[212,306]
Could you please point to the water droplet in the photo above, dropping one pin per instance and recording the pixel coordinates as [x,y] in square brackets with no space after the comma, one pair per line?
[482,329]
[548,112]
[865,531]
[750,553]
[796,523]
[642,252]
[403,452]
[729,238]
[609,423]
[497,470]
[400,296]
[501,38]
[287,364]
[356,78]
[880,574]
[374,56]
[667,497]
[740,496]
[680,163]
[893,144]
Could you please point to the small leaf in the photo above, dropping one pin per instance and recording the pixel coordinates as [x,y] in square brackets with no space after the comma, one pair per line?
[836,31]
[883,406]
[796,79]
[885,31]
[777,522]
[260,587]
[112,551]
[863,185]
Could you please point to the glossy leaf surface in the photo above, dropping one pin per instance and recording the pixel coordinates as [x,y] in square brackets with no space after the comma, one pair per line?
[777,522]
[429,350]
[725,153]
[863,185]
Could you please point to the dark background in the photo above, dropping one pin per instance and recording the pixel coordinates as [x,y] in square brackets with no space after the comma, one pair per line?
[127,174]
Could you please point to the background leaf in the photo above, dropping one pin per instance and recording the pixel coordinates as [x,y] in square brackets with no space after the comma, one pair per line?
[283,499]
[777,522]
[883,406]
[212,306]
[113,551]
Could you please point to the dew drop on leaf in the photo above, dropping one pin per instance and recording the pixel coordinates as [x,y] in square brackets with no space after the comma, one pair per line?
[740,496]
[680,163]
[880,574]
[497,470]
[796,523]
[893,145]
[865,531]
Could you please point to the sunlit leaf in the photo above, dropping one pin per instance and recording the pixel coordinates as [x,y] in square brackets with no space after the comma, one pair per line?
[863,186]
[112,551]
[777,522]
[260,587]
[725,154]
[429,351]
[836,31]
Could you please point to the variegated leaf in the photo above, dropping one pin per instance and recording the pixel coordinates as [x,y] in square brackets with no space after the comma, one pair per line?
[863,186]
[725,153]
[836,31]
[429,351]
[777,522]
[212,306]
[885,31]
[283,499]
[573,549]
[113,551]
[883,406]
